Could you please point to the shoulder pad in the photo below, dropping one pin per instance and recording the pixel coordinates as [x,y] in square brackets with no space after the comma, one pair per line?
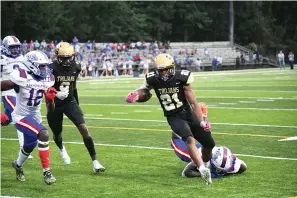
[18,76]
[150,77]
[185,76]
[78,65]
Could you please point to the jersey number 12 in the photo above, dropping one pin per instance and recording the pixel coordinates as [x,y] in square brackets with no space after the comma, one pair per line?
[35,97]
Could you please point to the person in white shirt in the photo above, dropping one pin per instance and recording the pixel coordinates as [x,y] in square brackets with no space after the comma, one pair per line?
[31,84]
[198,64]
[11,55]
[220,61]
[281,60]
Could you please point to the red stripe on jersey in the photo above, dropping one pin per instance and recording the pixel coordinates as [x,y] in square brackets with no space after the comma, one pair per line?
[224,158]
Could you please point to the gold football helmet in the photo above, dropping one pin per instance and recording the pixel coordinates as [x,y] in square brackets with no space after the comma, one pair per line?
[65,54]
[164,66]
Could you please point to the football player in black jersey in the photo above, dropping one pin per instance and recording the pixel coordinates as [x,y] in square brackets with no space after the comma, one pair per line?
[66,71]
[184,115]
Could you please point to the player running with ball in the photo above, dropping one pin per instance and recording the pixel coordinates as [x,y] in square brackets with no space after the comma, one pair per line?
[184,115]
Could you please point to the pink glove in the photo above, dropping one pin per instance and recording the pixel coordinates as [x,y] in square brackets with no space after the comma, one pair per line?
[205,125]
[132,97]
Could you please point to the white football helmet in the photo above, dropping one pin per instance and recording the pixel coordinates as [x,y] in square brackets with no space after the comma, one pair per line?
[36,61]
[222,159]
[11,46]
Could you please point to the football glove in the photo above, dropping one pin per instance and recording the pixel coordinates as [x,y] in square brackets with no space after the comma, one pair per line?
[50,93]
[62,95]
[132,97]
[4,119]
[205,125]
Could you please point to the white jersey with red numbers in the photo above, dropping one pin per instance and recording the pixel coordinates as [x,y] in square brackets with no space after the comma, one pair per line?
[7,66]
[29,93]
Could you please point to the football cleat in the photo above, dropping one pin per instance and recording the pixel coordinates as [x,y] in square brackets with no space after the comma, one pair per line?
[65,156]
[205,174]
[30,157]
[49,178]
[97,167]
[19,171]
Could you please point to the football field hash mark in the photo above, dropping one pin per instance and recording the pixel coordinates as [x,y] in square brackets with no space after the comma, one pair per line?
[160,148]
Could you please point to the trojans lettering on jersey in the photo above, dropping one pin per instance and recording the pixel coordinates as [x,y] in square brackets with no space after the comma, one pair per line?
[171,92]
[65,80]
[29,93]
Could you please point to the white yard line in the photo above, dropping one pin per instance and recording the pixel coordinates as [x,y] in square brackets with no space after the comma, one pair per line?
[248,102]
[226,103]
[119,113]
[265,100]
[160,148]
[289,139]
[211,97]
[127,89]
[142,111]
[213,107]
[164,121]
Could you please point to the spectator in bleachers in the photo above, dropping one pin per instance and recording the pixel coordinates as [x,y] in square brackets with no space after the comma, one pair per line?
[281,60]
[88,45]
[257,56]
[198,64]
[36,45]
[242,59]
[25,47]
[206,53]
[75,41]
[214,63]
[31,45]
[188,61]
[291,59]
[136,58]
[219,62]
[237,64]
[93,45]
[145,64]
[43,45]
[56,43]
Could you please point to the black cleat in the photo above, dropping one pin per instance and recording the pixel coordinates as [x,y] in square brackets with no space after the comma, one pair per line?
[19,171]
[49,178]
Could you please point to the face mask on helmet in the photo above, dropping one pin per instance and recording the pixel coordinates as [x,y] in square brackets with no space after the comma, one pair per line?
[37,62]
[15,50]
[66,61]
[166,73]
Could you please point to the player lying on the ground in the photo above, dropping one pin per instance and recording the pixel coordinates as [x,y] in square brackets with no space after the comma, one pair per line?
[222,161]
[10,53]
[180,106]
[30,85]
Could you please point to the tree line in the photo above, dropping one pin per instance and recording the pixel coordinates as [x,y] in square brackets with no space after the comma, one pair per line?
[271,25]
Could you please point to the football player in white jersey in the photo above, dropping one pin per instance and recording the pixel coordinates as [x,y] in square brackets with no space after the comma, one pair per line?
[10,54]
[30,86]
[223,162]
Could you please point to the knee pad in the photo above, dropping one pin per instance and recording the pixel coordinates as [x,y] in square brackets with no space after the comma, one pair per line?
[43,137]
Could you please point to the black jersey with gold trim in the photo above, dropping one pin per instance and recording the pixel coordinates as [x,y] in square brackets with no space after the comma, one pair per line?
[65,80]
[171,93]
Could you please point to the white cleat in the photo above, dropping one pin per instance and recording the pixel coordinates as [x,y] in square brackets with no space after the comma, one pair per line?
[97,167]
[30,157]
[205,174]
[65,156]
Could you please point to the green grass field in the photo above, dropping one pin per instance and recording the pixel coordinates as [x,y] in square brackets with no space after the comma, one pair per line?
[250,110]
